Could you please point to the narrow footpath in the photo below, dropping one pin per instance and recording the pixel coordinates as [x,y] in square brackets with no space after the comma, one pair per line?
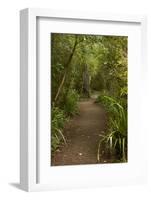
[82,133]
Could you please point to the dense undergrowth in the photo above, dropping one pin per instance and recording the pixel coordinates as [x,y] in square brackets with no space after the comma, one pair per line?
[59,116]
[115,138]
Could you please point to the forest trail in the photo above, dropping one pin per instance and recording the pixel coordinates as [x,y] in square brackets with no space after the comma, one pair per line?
[82,133]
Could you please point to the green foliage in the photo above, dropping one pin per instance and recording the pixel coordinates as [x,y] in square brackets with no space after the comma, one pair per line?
[106,61]
[116,137]
[123,92]
[71,104]
[105,56]
[111,73]
[58,119]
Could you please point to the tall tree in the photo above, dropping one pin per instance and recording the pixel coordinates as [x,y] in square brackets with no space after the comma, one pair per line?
[66,69]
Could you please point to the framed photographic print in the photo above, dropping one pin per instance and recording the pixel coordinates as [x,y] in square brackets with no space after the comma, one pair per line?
[82,80]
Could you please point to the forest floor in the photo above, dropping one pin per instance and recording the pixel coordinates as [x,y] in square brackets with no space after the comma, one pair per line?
[82,133]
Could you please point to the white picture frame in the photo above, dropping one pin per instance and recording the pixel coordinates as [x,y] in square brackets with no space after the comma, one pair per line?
[29,83]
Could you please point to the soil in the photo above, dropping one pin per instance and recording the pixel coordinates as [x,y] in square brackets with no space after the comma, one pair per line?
[82,133]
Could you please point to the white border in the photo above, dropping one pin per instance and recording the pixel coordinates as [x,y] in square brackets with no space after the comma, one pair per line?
[29,94]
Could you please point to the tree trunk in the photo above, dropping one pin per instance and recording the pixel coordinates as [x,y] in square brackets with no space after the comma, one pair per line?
[86,82]
[66,70]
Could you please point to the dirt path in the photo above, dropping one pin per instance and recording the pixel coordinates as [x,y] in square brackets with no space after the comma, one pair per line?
[82,134]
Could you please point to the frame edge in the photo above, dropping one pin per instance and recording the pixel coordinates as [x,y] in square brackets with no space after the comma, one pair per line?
[24,99]
[27,69]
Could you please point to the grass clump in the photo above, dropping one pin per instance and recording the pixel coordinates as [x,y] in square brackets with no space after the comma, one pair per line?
[116,135]
[57,123]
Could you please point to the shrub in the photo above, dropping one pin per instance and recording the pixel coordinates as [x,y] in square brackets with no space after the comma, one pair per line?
[101,95]
[71,104]
[116,137]
[57,124]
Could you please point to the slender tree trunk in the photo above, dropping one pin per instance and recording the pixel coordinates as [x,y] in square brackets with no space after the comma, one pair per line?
[66,70]
[86,81]
[61,85]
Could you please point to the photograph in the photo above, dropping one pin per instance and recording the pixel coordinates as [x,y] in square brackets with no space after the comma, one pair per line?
[89,99]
